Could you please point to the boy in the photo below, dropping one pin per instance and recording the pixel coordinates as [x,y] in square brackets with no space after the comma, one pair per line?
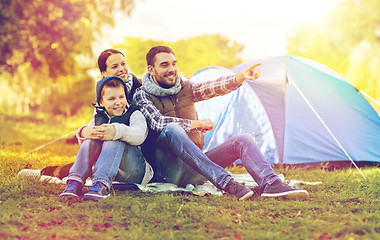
[116,126]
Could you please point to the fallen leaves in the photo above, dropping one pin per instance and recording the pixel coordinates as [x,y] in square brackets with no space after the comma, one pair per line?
[177,225]
[50,209]
[27,216]
[271,215]
[324,236]
[53,222]
[210,225]
[3,235]
[71,201]
[238,236]
[101,227]
[284,232]
[78,224]
[156,223]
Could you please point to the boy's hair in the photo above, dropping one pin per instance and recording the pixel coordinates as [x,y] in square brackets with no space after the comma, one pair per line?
[154,51]
[113,83]
[104,56]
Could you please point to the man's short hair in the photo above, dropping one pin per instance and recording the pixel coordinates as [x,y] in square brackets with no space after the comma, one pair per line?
[154,51]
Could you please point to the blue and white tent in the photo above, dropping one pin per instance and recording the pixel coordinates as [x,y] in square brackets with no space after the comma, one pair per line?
[299,111]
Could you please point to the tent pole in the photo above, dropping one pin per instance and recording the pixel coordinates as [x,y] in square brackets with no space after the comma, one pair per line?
[327,128]
[368,96]
[53,141]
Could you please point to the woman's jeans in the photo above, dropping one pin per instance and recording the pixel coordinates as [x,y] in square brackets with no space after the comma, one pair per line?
[105,161]
[181,162]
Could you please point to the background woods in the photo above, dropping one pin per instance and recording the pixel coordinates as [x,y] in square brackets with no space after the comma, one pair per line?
[192,53]
[47,49]
[348,41]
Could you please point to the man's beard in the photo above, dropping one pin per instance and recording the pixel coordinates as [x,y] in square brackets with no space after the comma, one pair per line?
[166,86]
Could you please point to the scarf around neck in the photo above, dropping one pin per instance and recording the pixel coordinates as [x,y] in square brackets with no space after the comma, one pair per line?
[151,87]
[129,82]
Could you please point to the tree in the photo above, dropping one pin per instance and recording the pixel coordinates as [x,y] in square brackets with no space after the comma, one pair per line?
[193,53]
[207,50]
[135,50]
[363,69]
[41,40]
[348,41]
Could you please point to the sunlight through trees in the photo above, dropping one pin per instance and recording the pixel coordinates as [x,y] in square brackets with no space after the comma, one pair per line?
[348,41]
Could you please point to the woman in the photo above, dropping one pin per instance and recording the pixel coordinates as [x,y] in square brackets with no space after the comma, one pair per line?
[112,62]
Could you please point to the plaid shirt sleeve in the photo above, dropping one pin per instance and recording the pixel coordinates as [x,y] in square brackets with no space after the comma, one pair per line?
[155,119]
[213,88]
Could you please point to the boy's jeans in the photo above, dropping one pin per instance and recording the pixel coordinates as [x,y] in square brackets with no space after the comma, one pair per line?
[107,157]
[178,157]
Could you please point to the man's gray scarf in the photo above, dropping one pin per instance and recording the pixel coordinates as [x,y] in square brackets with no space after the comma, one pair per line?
[151,87]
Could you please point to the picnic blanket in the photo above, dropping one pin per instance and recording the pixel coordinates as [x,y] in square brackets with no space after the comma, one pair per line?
[200,190]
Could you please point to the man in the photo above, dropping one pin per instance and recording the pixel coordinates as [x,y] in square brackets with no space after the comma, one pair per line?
[175,140]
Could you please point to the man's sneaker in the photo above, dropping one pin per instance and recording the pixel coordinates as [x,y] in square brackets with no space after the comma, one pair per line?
[240,191]
[280,189]
[73,189]
[97,191]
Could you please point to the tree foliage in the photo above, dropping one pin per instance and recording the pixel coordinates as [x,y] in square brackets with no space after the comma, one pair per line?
[46,46]
[348,41]
[41,40]
[192,54]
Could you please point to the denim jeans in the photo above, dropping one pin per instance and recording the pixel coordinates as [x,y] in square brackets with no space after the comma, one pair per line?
[182,162]
[101,160]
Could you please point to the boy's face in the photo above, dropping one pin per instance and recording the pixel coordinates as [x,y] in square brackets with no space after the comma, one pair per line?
[114,100]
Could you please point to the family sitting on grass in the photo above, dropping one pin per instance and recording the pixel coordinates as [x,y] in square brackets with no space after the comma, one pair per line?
[159,118]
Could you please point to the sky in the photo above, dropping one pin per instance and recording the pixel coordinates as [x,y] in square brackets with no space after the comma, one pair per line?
[262,26]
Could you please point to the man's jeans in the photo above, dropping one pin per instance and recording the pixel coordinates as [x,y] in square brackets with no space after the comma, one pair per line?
[182,162]
[107,157]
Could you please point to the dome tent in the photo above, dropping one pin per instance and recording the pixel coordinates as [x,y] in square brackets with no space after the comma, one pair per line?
[299,111]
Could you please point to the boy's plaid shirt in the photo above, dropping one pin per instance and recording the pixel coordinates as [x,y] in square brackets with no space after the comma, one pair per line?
[201,91]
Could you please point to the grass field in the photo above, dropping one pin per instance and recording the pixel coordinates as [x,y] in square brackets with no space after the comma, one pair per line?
[344,206]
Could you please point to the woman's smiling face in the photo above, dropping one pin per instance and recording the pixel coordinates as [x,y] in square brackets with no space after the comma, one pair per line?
[116,66]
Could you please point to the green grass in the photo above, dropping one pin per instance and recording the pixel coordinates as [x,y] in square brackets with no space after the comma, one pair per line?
[345,206]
